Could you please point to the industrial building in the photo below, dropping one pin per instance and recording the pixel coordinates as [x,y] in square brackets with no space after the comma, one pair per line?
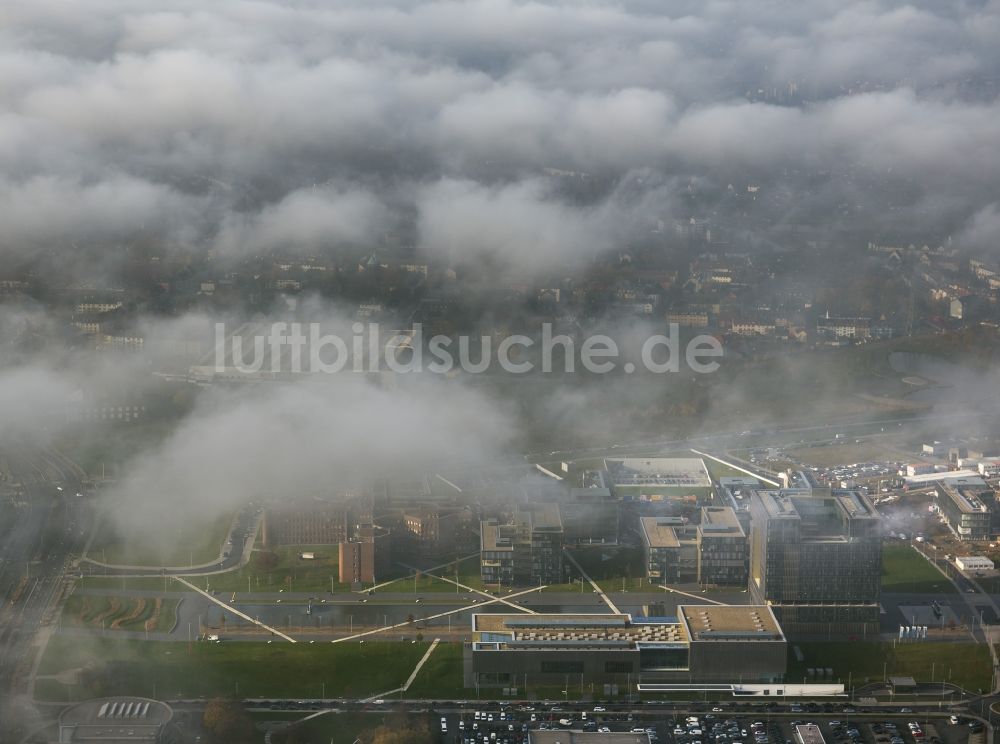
[527,550]
[704,643]
[968,508]
[712,553]
[117,720]
[816,558]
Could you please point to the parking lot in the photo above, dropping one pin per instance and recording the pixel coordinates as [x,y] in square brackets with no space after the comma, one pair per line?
[720,725]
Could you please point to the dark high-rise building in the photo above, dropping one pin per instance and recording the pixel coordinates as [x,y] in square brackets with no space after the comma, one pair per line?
[816,558]
[722,548]
[528,550]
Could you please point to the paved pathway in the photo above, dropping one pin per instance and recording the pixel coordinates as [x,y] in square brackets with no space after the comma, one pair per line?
[600,592]
[238,613]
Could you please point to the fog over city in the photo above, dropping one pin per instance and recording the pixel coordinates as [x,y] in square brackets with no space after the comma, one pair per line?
[241,127]
[528,138]
[812,189]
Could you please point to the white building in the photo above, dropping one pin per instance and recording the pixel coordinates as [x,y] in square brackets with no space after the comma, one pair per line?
[989,468]
[973,563]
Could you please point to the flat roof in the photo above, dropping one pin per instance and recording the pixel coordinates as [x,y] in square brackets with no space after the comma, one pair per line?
[116,720]
[788,503]
[658,471]
[730,481]
[970,477]
[540,516]
[730,622]
[720,521]
[658,534]
[489,534]
[966,496]
[809,733]
[525,630]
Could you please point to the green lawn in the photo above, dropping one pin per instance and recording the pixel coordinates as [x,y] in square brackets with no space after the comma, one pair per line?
[718,470]
[906,570]
[200,669]
[200,545]
[292,573]
[345,728]
[965,664]
[441,676]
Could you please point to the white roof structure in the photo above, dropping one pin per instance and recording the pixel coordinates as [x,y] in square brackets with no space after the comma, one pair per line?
[966,478]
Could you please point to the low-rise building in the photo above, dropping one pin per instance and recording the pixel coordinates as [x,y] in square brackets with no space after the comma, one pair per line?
[829,327]
[808,733]
[117,720]
[973,563]
[704,643]
[989,468]
[968,509]
[634,476]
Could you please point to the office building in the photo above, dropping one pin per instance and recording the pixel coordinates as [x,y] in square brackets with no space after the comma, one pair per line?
[525,551]
[704,643]
[723,549]
[712,553]
[969,507]
[816,558]
[670,550]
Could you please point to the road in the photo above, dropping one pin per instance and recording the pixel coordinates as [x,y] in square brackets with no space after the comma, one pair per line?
[47,525]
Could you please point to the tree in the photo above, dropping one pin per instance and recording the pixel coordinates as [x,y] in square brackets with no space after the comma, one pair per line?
[267,560]
[227,722]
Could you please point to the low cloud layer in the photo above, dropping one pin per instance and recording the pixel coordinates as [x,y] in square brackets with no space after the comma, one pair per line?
[256,126]
[314,439]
